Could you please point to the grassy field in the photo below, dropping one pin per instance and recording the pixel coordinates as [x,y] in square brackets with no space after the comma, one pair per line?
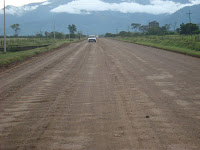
[26,41]
[13,44]
[11,57]
[189,45]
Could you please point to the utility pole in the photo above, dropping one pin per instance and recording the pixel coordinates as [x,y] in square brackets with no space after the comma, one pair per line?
[54,30]
[128,28]
[190,21]
[189,15]
[81,34]
[69,34]
[4,26]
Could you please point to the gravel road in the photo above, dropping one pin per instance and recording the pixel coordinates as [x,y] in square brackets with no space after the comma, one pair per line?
[108,95]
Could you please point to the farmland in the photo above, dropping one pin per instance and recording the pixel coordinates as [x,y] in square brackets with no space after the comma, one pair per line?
[13,44]
[185,44]
[20,48]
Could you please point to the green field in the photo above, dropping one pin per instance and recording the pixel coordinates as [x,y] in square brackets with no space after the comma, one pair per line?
[189,45]
[13,44]
[12,57]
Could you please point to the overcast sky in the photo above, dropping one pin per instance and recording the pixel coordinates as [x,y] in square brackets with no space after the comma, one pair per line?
[126,6]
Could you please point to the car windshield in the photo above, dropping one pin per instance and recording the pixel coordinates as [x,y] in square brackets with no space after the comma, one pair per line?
[91,36]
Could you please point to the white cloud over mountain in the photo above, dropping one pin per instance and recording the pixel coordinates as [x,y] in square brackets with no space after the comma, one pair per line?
[19,8]
[12,10]
[20,2]
[88,6]
[155,7]
[46,3]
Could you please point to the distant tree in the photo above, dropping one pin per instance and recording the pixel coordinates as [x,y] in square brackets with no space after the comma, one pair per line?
[110,35]
[154,28]
[163,29]
[189,28]
[72,29]
[178,30]
[39,35]
[47,34]
[144,28]
[60,35]
[167,26]
[135,26]
[153,24]
[124,34]
[156,31]
[16,29]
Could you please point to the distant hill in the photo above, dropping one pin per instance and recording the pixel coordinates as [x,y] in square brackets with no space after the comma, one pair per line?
[181,15]
[37,17]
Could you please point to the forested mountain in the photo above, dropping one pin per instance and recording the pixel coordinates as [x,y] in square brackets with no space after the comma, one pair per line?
[109,16]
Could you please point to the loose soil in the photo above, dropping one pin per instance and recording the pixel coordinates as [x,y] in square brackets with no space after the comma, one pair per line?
[108,95]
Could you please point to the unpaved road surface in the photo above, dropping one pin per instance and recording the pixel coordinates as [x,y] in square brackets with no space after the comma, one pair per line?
[108,95]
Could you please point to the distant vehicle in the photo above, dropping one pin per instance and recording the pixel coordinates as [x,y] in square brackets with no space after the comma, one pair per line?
[92,38]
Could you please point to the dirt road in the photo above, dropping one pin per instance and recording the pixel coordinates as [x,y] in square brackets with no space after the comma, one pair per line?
[108,95]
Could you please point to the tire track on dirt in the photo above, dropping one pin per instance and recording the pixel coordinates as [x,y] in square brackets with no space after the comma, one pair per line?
[37,100]
[105,95]
[15,79]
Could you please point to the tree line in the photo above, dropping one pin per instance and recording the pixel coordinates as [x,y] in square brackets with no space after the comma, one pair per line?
[73,33]
[153,28]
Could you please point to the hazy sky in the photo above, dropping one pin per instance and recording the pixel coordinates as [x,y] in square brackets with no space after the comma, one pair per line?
[20,2]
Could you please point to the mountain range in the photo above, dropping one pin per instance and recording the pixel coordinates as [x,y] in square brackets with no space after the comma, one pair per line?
[101,17]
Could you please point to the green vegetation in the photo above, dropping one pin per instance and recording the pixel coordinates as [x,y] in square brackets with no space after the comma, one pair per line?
[189,45]
[153,28]
[22,42]
[16,29]
[72,30]
[28,46]
[11,57]
[188,28]
[185,40]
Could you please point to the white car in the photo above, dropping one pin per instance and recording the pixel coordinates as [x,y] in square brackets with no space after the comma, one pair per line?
[92,38]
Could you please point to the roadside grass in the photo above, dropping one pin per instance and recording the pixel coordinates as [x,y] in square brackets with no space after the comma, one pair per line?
[17,42]
[12,57]
[188,45]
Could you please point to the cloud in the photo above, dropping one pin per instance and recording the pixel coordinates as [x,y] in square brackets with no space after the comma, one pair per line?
[46,3]
[12,10]
[20,2]
[155,7]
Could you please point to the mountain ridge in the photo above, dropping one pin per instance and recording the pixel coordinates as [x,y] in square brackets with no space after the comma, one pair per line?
[40,18]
